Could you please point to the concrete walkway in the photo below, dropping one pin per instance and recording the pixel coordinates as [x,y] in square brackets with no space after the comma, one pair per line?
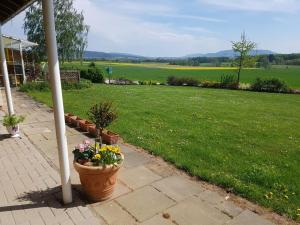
[149,190]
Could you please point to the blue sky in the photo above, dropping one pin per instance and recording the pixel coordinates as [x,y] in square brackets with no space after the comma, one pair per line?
[181,27]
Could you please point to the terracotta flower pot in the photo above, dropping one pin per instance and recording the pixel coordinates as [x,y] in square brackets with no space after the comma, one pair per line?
[79,121]
[97,182]
[84,125]
[92,130]
[110,137]
[74,121]
[68,117]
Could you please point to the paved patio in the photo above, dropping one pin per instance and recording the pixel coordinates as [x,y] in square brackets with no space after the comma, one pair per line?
[149,190]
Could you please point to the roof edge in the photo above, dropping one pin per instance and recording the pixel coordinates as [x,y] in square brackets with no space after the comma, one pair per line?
[18,11]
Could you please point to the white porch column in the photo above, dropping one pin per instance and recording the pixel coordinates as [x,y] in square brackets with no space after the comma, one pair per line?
[53,65]
[22,63]
[5,76]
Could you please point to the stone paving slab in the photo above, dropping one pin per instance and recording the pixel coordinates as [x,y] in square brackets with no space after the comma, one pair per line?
[249,218]
[158,219]
[195,212]
[114,214]
[145,203]
[178,187]
[138,176]
[149,191]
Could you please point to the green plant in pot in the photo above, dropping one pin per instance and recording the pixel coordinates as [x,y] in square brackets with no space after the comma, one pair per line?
[102,115]
[11,122]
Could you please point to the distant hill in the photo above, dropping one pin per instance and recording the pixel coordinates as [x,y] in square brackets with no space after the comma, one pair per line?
[110,55]
[126,56]
[229,54]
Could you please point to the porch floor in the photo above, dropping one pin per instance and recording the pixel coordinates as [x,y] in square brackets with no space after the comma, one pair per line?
[149,191]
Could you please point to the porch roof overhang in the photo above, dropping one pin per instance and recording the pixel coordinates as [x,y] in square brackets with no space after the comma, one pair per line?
[11,8]
[14,43]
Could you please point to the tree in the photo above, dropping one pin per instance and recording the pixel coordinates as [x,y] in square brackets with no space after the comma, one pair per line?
[243,48]
[71,31]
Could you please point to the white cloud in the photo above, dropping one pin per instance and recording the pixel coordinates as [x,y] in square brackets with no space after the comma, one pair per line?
[115,31]
[202,18]
[257,5]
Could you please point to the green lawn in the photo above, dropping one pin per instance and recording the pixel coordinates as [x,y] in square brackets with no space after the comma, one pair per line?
[154,72]
[245,141]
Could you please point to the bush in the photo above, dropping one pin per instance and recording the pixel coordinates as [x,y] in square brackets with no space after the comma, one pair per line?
[93,74]
[149,82]
[269,85]
[81,85]
[210,84]
[44,86]
[123,81]
[96,75]
[35,86]
[228,81]
[182,81]
[92,64]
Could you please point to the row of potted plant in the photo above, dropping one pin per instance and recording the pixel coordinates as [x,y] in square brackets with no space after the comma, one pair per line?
[97,164]
[84,125]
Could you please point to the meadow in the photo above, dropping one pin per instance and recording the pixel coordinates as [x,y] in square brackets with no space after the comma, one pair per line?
[246,142]
[160,71]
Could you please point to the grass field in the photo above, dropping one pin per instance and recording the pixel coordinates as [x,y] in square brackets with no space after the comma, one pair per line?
[245,141]
[160,72]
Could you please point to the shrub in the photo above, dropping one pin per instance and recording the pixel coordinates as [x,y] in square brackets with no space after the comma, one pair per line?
[228,81]
[269,85]
[35,86]
[44,86]
[180,81]
[210,84]
[149,82]
[123,81]
[92,64]
[93,74]
[81,85]
[84,73]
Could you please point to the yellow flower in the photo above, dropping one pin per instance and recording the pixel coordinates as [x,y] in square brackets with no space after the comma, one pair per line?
[103,148]
[115,149]
[97,156]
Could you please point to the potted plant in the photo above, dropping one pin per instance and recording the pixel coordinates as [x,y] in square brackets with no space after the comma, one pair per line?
[102,115]
[97,167]
[11,122]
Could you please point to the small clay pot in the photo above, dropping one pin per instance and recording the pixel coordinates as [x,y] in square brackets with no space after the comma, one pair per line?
[68,117]
[110,137]
[92,130]
[74,121]
[84,125]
